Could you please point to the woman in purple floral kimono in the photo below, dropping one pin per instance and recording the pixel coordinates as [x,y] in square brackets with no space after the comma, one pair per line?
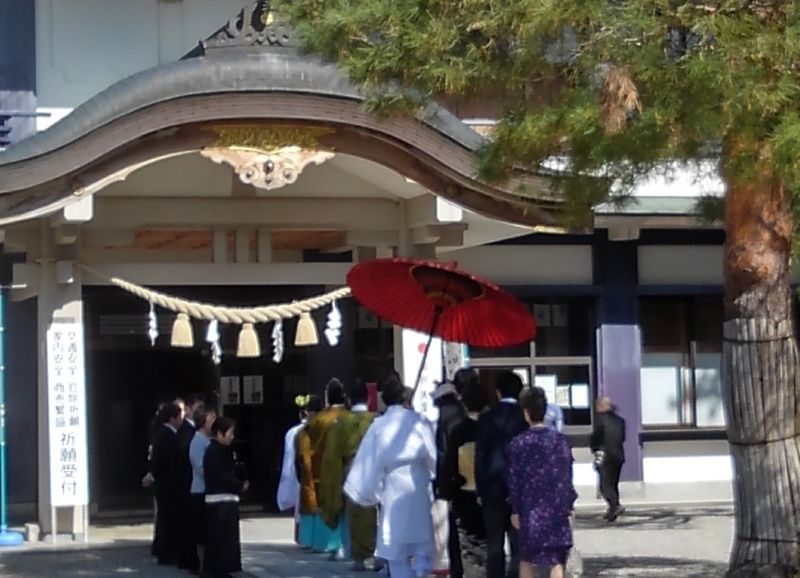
[540,487]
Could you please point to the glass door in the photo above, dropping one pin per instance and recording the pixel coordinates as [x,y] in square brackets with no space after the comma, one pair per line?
[707,361]
[681,379]
[665,361]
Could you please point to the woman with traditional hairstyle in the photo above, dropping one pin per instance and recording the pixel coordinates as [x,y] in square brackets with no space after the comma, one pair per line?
[288,496]
[308,505]
[326,539]
[223,546]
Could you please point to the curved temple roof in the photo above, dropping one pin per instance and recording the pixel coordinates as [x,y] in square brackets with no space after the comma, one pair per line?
[249,75]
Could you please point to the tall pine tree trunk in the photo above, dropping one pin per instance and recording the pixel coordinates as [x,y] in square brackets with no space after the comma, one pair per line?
[761,373]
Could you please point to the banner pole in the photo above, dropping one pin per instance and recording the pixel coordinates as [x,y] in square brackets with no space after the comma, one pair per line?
[6,538]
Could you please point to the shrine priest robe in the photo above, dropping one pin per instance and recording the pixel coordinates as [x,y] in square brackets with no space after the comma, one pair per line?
[393,468]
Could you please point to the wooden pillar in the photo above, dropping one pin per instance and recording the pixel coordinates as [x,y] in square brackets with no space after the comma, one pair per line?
[58,302]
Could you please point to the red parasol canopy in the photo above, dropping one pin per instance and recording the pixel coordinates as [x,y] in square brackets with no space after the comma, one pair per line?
[437,298]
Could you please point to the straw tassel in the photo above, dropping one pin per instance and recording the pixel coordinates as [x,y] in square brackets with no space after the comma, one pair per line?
[248,342]
[182,335]
[306,331]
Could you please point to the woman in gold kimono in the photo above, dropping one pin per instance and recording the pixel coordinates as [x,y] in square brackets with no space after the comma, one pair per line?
[308,491]
[343,441]
[311,449]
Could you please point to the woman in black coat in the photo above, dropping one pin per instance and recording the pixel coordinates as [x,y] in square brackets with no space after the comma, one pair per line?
[223,554]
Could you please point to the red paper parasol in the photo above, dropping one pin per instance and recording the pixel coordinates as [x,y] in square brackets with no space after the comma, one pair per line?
[438,299]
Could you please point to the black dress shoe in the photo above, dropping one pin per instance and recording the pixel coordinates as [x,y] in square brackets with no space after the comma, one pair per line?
[615,513]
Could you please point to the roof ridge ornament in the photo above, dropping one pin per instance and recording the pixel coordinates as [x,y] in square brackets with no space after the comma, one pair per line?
[256,25]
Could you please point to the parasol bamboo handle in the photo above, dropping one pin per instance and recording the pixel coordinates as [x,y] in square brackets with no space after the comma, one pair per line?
[436,314]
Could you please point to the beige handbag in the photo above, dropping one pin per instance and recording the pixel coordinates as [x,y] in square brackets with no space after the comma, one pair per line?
[574,565]
[573,568]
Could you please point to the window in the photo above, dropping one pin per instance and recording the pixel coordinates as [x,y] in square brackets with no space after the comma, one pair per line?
[681,382]
[559,359]
[564,328]
[569,387]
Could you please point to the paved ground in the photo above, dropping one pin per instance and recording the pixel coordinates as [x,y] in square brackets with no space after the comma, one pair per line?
[651,543]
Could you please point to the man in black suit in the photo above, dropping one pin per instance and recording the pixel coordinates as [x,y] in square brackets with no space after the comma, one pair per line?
[496,428]
[187,553]
[451,414]
[607,441]
[165,467]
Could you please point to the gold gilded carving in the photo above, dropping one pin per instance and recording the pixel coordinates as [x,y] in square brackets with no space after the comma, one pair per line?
[270,138]
[267,170]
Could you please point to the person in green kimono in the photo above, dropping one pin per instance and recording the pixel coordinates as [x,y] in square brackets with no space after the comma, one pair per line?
[342,444]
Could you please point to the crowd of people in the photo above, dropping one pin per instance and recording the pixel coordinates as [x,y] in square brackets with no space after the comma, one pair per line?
[192,472]
[363,485]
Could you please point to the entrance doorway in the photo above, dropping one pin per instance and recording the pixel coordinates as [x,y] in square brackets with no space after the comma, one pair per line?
[128,377]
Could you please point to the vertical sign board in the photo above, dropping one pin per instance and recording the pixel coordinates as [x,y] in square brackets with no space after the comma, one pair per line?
[66,410]
[253,389]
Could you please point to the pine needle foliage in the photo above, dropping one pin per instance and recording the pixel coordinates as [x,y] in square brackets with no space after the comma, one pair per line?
[604,91]
[638,81]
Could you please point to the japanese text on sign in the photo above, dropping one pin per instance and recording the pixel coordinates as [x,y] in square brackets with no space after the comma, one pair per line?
[67,415]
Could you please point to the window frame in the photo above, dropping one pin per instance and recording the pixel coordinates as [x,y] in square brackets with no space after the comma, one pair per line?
[687,404]
[532,361]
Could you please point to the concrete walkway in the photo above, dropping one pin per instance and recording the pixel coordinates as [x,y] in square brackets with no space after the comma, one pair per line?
[643,543]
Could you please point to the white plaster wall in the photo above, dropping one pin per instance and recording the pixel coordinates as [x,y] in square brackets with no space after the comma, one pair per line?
[84,46]
[528,264]
[692,461]
[688,469]
[668,463]
[583,474]
[665,470]
[680,265]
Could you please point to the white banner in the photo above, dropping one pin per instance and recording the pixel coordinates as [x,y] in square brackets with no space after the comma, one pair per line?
[66,410]
[413,350]
[455,358]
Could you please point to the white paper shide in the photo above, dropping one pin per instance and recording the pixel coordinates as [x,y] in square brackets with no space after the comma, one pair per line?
[66,399]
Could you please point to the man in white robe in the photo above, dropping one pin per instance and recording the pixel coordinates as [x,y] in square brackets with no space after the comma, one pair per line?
[393,468]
